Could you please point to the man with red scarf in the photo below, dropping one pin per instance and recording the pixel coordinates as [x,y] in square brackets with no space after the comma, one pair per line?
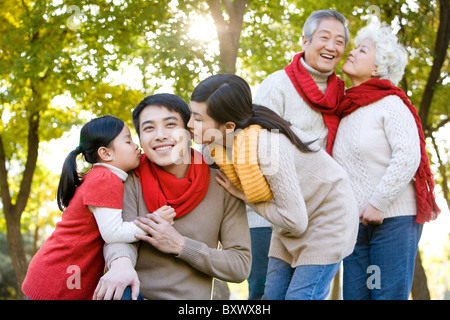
[306,93]
[179,261]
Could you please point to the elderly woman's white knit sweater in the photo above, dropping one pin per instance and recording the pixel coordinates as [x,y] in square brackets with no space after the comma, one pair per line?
[378,145]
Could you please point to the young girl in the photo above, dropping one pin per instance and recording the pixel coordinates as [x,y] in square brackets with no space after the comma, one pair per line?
[296,186]
[70,262]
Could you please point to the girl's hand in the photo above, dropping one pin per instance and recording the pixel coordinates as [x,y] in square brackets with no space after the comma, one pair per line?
[167,213]
[371,215]
[222,179]
[161,234]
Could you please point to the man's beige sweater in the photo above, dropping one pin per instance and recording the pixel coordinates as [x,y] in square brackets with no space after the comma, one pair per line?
[220,217]
[314,213]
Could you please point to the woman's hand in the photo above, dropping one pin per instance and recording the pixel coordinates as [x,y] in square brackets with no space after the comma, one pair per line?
[222,179]
[162,235]
[114,282]
[371,215]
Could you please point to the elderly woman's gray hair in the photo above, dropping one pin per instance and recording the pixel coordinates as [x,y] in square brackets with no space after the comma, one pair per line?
[391,57]
[313,20]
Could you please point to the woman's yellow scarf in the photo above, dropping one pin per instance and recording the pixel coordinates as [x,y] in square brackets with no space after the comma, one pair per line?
[244,171]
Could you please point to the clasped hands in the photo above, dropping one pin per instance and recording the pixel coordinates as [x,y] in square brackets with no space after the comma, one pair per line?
[160,233]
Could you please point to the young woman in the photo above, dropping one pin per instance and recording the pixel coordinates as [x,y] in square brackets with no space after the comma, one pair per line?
[380,143]
[285,178]
[70,262]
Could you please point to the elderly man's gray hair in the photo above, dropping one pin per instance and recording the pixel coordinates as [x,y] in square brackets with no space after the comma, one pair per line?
[313,20]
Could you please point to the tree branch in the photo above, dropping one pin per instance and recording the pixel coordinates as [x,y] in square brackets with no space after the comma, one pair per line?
[4,187]
[440,53]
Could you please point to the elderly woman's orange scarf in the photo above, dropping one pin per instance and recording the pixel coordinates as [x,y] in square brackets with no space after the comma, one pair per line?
[243,169]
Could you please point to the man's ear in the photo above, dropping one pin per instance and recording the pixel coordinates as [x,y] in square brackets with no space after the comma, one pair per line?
[304,40]
[105,154]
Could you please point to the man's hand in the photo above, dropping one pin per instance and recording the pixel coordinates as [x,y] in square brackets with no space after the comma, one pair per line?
[162,235]
[114,282]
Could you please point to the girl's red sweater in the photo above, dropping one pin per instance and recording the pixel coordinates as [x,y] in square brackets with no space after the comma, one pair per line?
[70,262]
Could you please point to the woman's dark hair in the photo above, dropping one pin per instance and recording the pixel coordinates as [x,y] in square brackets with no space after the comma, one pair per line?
[229,98]
[170,101]
[99,132]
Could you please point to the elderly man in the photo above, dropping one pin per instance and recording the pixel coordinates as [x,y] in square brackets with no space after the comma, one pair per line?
[176,261]
[306,93]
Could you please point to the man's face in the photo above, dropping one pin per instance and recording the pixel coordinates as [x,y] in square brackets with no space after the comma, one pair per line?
[327,45]
[163,136]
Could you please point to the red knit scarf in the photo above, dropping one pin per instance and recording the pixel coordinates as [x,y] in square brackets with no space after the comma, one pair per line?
[310,92]
[374,90]
[162,188]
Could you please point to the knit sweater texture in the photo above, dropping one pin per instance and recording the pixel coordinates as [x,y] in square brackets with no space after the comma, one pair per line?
[379,147]
[220,217]
[70,262]
[242,168]
[277,93]
[313,213]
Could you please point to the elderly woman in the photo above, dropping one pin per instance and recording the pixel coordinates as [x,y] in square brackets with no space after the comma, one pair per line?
[380,143]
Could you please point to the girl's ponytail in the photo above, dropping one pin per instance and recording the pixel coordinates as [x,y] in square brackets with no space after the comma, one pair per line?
[69,180]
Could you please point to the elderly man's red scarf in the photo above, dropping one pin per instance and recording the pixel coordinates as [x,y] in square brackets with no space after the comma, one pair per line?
[310,92]
[162,188]
[374,90]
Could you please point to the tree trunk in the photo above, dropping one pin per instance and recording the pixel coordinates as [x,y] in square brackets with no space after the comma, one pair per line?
[440,53]
[442,170]
[229,32]
[13,212]
[16,249]
[419,287]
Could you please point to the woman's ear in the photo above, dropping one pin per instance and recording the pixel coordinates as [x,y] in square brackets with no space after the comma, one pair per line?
[229,127]
[105,154]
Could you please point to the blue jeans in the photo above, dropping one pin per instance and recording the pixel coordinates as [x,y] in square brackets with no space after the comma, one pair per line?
[381,266]
[127,294]
[308,282]
[260,258]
